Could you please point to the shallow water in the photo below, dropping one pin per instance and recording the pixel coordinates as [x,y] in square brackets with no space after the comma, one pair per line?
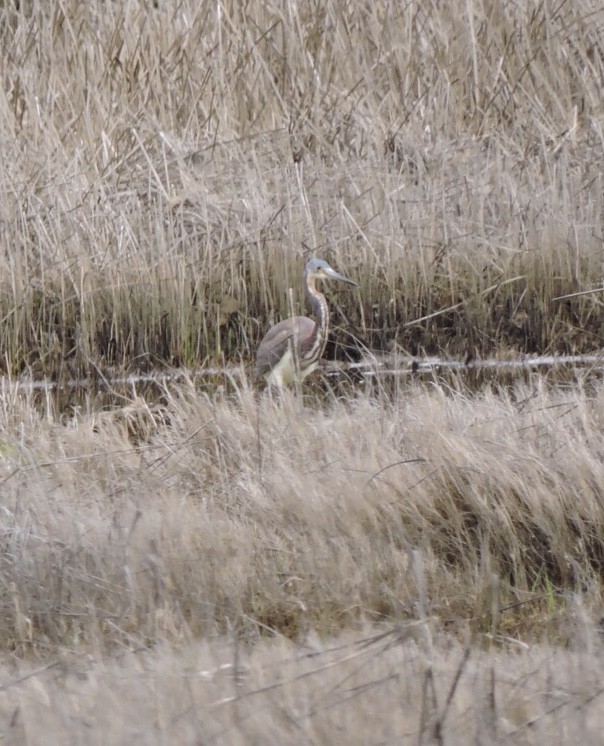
[386,366]
[408,366]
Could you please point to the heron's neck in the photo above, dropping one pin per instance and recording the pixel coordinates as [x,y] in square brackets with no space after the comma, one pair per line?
[319,308]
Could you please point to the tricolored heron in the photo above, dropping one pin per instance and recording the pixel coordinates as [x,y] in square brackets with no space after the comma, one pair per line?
[291,349]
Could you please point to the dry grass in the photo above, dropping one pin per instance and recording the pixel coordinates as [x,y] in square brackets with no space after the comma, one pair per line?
[161,170]
[294,517]
[162,167]
[442,519]
[399,687]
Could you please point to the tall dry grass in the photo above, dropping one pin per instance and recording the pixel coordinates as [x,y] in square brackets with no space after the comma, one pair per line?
[428,566]
[263,515]
[363,688]
[162,167]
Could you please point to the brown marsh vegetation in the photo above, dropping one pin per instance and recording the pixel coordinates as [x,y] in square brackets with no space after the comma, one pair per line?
[467,531]
[366,566]
[163,166]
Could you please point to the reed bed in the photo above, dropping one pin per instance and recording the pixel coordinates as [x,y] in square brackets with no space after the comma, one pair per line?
[181,564]
[144,545]
[391,687]
[187,517]
[164,165]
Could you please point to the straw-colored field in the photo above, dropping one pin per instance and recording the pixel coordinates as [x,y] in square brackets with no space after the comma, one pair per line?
[162,167]
[234,526]
[419,563]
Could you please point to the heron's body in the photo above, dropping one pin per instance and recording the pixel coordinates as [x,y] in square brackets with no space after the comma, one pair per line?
[291,349]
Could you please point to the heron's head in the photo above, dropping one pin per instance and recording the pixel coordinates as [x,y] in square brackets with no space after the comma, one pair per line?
[319,269]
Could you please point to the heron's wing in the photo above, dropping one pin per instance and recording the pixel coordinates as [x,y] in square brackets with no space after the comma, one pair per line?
[276,341]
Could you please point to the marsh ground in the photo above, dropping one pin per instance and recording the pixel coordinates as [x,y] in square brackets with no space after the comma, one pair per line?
[360,564]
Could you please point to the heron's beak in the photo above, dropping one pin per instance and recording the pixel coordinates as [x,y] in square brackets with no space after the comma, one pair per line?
[333,275]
